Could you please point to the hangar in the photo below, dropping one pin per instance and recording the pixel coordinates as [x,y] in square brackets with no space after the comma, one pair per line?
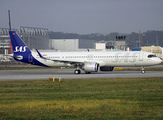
[33,37]
[71,44]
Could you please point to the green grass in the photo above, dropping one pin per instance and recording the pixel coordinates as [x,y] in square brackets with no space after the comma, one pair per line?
[115,98]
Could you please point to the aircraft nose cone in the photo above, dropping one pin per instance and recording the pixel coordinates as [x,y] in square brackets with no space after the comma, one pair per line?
[159,60]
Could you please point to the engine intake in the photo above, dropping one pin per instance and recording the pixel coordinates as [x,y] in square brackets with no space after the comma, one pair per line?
[91,67]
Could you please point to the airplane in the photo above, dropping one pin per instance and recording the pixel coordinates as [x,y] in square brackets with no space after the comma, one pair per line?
[86,61]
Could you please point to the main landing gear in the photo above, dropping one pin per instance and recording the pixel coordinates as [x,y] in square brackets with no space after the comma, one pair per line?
[77,71]
[142,70]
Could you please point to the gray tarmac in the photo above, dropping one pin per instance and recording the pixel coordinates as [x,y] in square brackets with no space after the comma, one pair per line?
[44,74]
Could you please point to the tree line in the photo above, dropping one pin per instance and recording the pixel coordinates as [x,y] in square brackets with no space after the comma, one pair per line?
[151,37]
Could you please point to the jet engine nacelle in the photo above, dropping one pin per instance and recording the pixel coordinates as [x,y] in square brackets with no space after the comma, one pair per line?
[91,67]
[106,68]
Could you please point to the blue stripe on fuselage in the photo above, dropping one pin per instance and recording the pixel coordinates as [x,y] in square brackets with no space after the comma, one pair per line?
[28,58]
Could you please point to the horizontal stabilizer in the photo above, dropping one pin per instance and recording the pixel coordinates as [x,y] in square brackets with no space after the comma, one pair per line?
[19,57]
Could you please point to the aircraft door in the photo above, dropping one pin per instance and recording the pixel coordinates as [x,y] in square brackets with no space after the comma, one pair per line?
[141,57]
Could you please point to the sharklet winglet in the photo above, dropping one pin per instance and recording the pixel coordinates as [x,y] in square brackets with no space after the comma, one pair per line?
[41,55]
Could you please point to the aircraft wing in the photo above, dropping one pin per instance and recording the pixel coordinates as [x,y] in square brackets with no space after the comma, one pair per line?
[61,60]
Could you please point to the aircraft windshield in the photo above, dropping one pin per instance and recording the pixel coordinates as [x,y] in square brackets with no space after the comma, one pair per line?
[150,56]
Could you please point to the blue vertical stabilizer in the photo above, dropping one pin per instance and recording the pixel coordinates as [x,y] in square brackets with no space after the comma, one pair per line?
[17,44]
[20,51]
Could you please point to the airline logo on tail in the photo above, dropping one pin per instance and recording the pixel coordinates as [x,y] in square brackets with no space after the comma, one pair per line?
[20,49]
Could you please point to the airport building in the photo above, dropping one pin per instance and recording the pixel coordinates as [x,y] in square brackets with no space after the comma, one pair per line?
[71,44]
[119,43]
[33,37]
[5,40]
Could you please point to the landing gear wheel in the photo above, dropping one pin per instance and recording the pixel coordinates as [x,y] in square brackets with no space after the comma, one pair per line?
[87,72]
[143,71]
[77,71]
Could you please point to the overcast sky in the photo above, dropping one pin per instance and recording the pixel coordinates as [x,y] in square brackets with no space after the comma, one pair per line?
[84,16]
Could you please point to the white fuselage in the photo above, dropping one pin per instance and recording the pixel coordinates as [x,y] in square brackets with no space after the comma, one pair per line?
[112,59]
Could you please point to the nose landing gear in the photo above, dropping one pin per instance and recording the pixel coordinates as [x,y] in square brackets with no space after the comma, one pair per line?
[142,71]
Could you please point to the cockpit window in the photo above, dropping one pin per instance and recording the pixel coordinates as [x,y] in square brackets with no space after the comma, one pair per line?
[150,56]
[154,56]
